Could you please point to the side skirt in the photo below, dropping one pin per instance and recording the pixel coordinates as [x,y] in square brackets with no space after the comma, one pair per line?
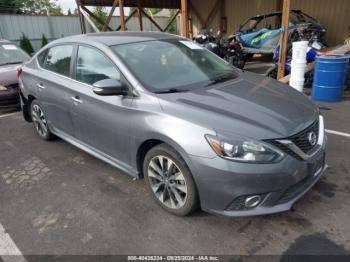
[97,153]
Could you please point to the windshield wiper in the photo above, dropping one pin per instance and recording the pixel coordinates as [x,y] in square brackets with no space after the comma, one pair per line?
[171,90]
[221,79]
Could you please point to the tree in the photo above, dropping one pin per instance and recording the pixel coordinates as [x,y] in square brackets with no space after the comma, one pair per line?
[101,13]
[11,6]
[69,12]
[76,12]
[25,44]
[41,7]
[43,40]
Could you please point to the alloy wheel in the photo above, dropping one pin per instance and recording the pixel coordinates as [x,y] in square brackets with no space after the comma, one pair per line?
[39,120]
[167,182]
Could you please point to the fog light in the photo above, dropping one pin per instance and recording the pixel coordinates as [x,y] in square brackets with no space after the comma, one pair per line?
[252,201]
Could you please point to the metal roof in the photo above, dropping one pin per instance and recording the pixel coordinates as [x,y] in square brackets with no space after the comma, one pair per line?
[171,4]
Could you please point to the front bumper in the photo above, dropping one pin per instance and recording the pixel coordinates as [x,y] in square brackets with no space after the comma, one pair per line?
[221,182]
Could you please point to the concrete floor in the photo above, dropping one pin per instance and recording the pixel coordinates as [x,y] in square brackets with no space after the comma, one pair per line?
[56,199]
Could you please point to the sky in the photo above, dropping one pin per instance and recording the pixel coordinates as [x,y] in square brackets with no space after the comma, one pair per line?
[70,4]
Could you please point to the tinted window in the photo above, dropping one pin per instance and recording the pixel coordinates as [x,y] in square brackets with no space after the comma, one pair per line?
[41,58]
[11,54]
[93,66]
[58,59]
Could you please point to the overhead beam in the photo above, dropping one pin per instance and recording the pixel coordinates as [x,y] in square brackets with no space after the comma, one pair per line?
[184,18]
[85,14]
[95,17]
[152,20]
[122,15]
[284,39]
[171,20]
[108,19]
[128,18]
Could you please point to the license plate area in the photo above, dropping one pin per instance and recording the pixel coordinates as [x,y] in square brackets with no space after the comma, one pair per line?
[316,164]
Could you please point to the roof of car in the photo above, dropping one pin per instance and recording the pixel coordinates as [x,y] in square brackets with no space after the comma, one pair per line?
[273,14]
[117,38]
[4,41]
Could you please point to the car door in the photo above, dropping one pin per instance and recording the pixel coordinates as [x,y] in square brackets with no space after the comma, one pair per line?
[53,82]
[103,121]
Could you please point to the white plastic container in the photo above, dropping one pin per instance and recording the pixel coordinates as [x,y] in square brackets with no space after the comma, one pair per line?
[298,65]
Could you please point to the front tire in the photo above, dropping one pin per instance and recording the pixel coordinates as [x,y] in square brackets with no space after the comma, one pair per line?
[40,121]
[169,180]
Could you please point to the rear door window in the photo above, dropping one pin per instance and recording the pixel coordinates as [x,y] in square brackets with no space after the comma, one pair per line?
[58,59]
[93,66]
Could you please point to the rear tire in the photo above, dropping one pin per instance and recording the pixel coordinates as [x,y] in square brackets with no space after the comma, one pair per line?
[170,181]
[40,121]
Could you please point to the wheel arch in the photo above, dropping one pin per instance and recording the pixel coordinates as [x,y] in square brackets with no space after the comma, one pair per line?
[148,144]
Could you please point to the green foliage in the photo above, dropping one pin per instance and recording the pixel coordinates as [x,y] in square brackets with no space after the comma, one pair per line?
[43,40]
[101,13]
[25,44]
[41,7]
[11,6]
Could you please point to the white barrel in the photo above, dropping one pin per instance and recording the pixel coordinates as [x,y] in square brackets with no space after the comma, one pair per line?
[300,50]
[298,65]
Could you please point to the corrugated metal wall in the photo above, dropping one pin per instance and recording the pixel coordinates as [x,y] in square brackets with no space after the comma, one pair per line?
[334,14]
[12,27]
[237,11]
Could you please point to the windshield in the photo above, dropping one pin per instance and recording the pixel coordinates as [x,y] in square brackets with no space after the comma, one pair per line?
[174,66]
[299,17]
[11,54]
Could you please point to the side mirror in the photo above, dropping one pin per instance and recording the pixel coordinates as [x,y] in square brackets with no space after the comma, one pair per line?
[109,87]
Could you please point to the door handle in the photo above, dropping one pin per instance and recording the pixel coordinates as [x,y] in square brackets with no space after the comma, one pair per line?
[41,86]
[76,99]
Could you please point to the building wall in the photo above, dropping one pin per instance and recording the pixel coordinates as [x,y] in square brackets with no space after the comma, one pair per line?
[334,14]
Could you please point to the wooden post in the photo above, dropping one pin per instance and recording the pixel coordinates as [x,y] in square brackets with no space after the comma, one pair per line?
[127,19]
[122,16]
[184,18]
[108,20]
[139,14]
[81,18]
[284,39]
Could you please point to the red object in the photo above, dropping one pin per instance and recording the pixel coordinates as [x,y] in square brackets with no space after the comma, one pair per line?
[18,72]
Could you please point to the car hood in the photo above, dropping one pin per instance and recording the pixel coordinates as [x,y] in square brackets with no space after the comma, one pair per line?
[250,105]
[8,74]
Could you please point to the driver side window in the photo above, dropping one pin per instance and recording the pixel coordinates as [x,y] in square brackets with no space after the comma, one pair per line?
[92,66]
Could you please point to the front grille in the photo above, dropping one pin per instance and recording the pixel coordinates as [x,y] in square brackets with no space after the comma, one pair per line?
[285,149]
[301,140]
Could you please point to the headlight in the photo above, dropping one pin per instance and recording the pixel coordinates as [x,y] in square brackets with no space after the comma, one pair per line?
[244,150]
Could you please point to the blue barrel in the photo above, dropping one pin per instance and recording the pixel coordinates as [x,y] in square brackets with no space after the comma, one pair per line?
[330,75]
